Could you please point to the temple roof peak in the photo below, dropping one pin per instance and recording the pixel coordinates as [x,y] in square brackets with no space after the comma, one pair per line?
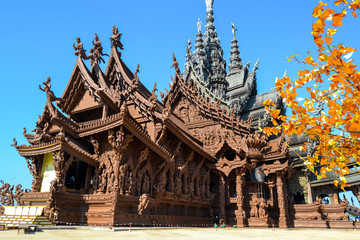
[209,5]
[235,58]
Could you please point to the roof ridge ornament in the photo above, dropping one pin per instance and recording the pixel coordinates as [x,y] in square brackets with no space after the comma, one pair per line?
[47,89]
[79,49]
[199,23]
[115,38]
[235,58]
[175,64]
[96,52]
[233,29]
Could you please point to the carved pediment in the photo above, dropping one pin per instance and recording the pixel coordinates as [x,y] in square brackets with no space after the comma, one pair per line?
[85,102]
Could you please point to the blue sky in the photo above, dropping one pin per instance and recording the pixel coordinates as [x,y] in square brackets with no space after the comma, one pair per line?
[37,37]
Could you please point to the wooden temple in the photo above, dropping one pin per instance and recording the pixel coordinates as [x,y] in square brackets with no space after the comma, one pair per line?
[112,153]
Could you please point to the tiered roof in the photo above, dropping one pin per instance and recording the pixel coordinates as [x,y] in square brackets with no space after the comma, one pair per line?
[95,102]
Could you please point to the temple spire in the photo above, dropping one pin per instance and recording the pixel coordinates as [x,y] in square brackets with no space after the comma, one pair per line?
[199,55]
[235,58]
[216,65]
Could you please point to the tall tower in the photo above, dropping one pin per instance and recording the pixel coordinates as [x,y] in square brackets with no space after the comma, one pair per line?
[216,65]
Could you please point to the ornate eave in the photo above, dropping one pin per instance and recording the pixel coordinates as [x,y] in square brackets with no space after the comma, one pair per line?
[185,137]
[56,145]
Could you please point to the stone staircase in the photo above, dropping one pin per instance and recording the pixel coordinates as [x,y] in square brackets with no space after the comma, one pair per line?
[23,215]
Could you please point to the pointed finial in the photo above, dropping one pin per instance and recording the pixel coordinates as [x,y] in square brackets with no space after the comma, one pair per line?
[199,23]
[209,5]
[233,29]
[256,65]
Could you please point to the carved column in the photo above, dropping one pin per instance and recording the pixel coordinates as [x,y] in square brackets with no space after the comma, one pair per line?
[88,177]
[281,200]
[308,184]
[240,214]
[222,200]
[271,188]
[335,196]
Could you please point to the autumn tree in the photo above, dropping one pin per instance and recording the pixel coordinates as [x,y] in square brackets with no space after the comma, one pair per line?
[324,101]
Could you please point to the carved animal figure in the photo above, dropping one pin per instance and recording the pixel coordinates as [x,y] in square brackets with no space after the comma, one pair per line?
[6,195]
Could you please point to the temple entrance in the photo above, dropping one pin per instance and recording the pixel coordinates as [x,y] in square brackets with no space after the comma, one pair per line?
[79,177]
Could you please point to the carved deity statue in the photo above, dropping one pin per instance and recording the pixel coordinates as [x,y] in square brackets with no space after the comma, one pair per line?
[254,211]
[262,208]
[233,29]
[146,184]
[47,89]
[143,203]
[178,186]
[95,144]
[79,50]
[97,52]
[175,64]
[115,39]
[199,23]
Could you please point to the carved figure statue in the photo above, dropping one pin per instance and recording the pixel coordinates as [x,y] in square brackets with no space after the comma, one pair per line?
[160,186]
[254,212]
[199,23]
[175,64]
[143,203]
[262,208]
[47,88]
[233,29]
[178,186]
[146,184]
[92,57]
[98,50]
[135,80]
[79,50]
[95,144]
[115,38]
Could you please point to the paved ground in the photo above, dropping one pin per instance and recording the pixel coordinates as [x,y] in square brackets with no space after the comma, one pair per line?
[185,233]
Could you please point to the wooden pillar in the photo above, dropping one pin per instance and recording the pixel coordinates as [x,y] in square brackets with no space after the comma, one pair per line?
[335,196]
[308,185]
[88,177]
[222,200]
[240,213]
[281,200]
[105,112]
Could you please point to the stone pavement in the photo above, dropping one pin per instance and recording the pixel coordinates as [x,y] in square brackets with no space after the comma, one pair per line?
[183,233]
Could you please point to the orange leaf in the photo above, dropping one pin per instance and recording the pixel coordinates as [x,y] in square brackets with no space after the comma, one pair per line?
[328,40]
[337,19]
[309,60]
[318,41]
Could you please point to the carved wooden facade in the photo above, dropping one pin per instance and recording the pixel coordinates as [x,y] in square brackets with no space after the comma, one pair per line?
[119,155]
